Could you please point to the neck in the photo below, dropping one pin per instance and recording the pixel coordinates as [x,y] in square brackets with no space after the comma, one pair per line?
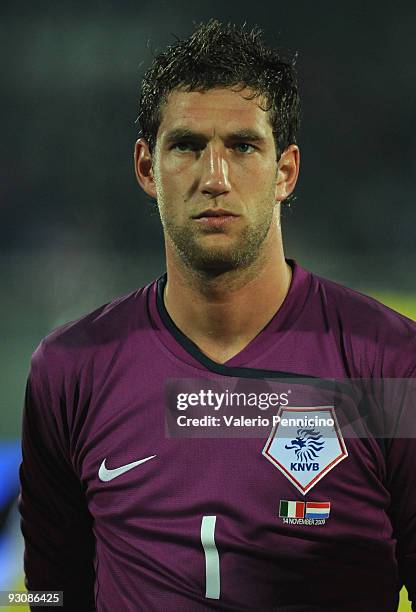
[222,313]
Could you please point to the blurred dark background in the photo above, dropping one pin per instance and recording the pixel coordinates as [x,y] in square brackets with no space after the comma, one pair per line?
[75,228]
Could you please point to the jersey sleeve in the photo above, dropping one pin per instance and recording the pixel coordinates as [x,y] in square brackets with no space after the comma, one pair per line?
[401,461]
[401,474]
[55,522]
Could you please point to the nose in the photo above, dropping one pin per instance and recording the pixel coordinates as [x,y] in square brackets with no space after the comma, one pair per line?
[214,178]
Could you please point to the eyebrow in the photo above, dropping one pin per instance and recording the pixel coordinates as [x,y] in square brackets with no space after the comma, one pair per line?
[187,134]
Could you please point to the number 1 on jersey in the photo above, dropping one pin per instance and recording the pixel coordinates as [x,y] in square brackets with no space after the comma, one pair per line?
[212,560]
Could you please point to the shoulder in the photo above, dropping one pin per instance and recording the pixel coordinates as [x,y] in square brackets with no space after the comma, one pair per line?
[364,313]
[98,332]
[373,333]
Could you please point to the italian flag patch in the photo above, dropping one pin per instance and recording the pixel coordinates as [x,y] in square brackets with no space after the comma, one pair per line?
[291,509]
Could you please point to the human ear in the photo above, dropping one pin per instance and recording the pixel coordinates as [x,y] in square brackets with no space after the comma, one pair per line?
[287,172]
[143,167]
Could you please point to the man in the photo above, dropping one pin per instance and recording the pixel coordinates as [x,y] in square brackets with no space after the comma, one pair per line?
[119,515]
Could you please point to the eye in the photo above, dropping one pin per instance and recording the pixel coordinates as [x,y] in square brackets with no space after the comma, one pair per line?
[244,147]
[184,146]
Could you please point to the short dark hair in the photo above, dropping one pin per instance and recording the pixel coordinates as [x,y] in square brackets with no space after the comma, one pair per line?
[227,55]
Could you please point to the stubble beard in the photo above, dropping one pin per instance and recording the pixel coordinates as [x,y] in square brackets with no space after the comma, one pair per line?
[211,261]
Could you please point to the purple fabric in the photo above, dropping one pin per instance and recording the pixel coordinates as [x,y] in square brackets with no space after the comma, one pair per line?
[96,390]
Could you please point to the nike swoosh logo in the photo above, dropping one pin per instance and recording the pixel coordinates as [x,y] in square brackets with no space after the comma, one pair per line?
[105,474]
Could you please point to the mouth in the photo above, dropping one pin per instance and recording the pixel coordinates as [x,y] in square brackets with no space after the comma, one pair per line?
[211,212]
[216,220]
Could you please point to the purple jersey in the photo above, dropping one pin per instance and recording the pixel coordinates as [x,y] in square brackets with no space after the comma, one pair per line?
[121,517]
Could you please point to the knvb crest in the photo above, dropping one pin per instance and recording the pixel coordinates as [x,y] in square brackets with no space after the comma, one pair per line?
[305,445]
